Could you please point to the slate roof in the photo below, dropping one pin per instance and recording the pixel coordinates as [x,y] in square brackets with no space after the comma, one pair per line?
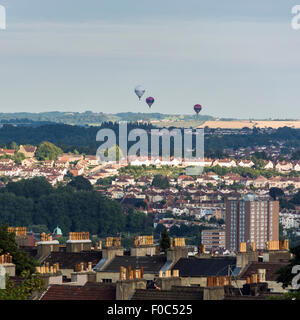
[67,260]
[177,293]
[151,264]
[197,267]
[270,267]
[90,291]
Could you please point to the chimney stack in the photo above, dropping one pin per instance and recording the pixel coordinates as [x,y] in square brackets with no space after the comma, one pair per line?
[202,249]
[47,269]
[175,273]
[130,274]
[243,247]
[112,248]
[178,242]
[178,250]
[221,281]
[46,245]
[122,273]
[272,245]
[284,244]
[79,241]
[254,278]
[19,231]
[49,274]
[5,258]
[262,275]
[143,245]
[81,266]
[113,242]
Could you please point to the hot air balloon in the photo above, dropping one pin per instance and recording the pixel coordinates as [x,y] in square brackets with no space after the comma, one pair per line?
[139,91]
[150,101]
[197,108]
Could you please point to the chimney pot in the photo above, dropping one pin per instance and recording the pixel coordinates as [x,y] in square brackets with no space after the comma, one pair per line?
[131,275]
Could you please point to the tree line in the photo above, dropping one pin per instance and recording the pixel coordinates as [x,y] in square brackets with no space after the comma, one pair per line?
[74,207]
[83,139]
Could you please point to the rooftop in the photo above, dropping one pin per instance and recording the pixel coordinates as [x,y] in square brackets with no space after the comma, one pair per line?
[90,291]
[67,260]
[177,293]
[197,267]
[151,264]
[270,267]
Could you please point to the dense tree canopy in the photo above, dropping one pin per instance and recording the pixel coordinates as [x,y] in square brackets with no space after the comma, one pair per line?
[34,202]
[296,155]
[32,284]
[276,193]
[160,182]
[21,259]
[47,151]
[296,199]
[82,139]
[165,240]
[80,183]
[30,188]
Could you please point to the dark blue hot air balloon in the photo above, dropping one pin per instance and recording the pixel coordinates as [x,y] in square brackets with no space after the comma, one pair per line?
[197,108]
[150,101]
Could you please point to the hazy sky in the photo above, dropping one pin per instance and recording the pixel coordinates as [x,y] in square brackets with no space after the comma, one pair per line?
[237,58]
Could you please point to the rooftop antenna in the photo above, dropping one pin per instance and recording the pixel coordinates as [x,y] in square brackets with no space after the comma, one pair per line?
[230,273]
[234,278]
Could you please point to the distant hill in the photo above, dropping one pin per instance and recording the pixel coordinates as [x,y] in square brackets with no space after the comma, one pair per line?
[92,119]
[89,118]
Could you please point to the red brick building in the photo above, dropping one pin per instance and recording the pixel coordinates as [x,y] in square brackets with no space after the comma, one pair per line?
[251,220]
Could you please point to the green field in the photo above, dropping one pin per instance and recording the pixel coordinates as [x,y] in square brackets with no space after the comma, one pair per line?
[137,171]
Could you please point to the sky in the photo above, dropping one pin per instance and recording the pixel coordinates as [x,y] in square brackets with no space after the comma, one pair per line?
[239,59]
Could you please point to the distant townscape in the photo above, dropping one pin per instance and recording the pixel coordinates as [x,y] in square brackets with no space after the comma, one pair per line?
[89,118]
[149,151]
[75,227]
